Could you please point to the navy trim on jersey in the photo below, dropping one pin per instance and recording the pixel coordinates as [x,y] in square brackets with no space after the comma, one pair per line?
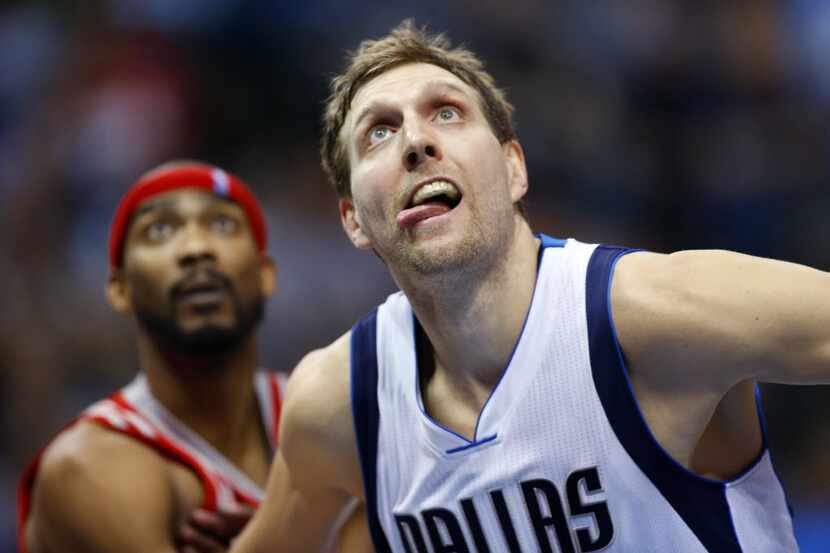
[468,444]
[473,444]
[547,242]
[699,501]
[366,416]
[759,408]
[762,420]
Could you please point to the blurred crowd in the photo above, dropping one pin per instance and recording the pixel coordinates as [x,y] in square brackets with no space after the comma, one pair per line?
[662,124]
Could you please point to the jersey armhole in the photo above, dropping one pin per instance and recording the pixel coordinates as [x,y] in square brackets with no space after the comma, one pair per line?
[700,502]
[366,417]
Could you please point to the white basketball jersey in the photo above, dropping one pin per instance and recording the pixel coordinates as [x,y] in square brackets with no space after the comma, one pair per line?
[561,459]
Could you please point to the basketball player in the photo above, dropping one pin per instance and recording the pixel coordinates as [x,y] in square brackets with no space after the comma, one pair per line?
[179,457]
[521,392]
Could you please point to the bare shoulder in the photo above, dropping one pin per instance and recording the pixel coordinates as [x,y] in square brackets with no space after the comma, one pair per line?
[88,453]
[317,415]
[318,388]
[670,299]
[322,373]
[87,481]
[701,265]
[693,286]
[641,284]
[315,473]
[724,315]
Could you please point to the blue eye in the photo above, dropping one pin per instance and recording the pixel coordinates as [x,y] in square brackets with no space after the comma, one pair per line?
[379,133]
[447,114]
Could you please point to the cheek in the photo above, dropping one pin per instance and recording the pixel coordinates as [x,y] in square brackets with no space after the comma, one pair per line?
[374,180]
[491,168]
[247,279]
[147,288]
[369,206]
[150,265]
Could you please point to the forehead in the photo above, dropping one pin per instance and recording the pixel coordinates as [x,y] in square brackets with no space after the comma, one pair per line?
[184,200]
[405,83]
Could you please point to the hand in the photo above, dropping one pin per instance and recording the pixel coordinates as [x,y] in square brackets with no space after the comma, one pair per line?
[211,532]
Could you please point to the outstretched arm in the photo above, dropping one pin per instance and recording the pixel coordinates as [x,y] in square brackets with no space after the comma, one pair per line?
[315,479]
[699,328]
[715,318]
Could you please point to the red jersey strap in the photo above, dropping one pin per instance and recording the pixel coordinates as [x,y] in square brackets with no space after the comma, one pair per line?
[217,487]
[127,420]
[118,414]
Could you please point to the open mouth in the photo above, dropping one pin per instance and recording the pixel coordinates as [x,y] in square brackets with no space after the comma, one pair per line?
[203,293]
[430,200]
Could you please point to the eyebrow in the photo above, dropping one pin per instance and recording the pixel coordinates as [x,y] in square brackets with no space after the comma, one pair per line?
[374,107]
[152,206]
[380,105]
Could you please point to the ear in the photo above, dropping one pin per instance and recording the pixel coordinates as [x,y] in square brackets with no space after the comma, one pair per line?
[268,275]
[516,169]
[118,294]
[350,220]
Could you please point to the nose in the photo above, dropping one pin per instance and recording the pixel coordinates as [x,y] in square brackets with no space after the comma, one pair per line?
[195,247]
[420,146]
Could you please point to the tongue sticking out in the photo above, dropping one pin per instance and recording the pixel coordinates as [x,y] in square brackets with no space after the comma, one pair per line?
[408,218]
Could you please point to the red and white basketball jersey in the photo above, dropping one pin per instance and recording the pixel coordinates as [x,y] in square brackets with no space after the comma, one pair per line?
[135,412]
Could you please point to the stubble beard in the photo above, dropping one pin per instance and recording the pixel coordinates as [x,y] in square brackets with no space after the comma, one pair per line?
[462,255]
[472,255]
[208,341]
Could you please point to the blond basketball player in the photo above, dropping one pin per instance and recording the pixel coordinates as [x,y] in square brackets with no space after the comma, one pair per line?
[525,393]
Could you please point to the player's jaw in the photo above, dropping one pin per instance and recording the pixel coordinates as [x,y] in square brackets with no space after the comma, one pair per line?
[204,316]
[427,227]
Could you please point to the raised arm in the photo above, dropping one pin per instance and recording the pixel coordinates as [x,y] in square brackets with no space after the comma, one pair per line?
[315,480]
[715,318]
[98,492]
[698,329]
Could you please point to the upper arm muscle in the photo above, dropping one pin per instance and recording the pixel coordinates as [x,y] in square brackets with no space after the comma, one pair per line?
[315,474]
[100,492]
[715,318]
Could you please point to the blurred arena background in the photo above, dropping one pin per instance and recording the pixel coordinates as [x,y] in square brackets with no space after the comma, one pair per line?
[663,124]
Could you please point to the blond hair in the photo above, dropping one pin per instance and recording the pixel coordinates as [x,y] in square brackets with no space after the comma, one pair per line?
[406,43]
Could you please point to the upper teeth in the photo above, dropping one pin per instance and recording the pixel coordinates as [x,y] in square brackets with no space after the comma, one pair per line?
[436,188]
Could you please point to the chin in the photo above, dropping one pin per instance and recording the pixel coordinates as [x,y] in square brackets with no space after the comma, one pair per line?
[203,337]
[472,247]
[200,325]
[443,254]
[208,341]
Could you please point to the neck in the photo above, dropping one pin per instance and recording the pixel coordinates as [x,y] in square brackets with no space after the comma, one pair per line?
[473,321]
[215,397]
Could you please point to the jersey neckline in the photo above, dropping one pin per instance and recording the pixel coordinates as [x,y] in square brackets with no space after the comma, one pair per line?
[505,393]
[139,394]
